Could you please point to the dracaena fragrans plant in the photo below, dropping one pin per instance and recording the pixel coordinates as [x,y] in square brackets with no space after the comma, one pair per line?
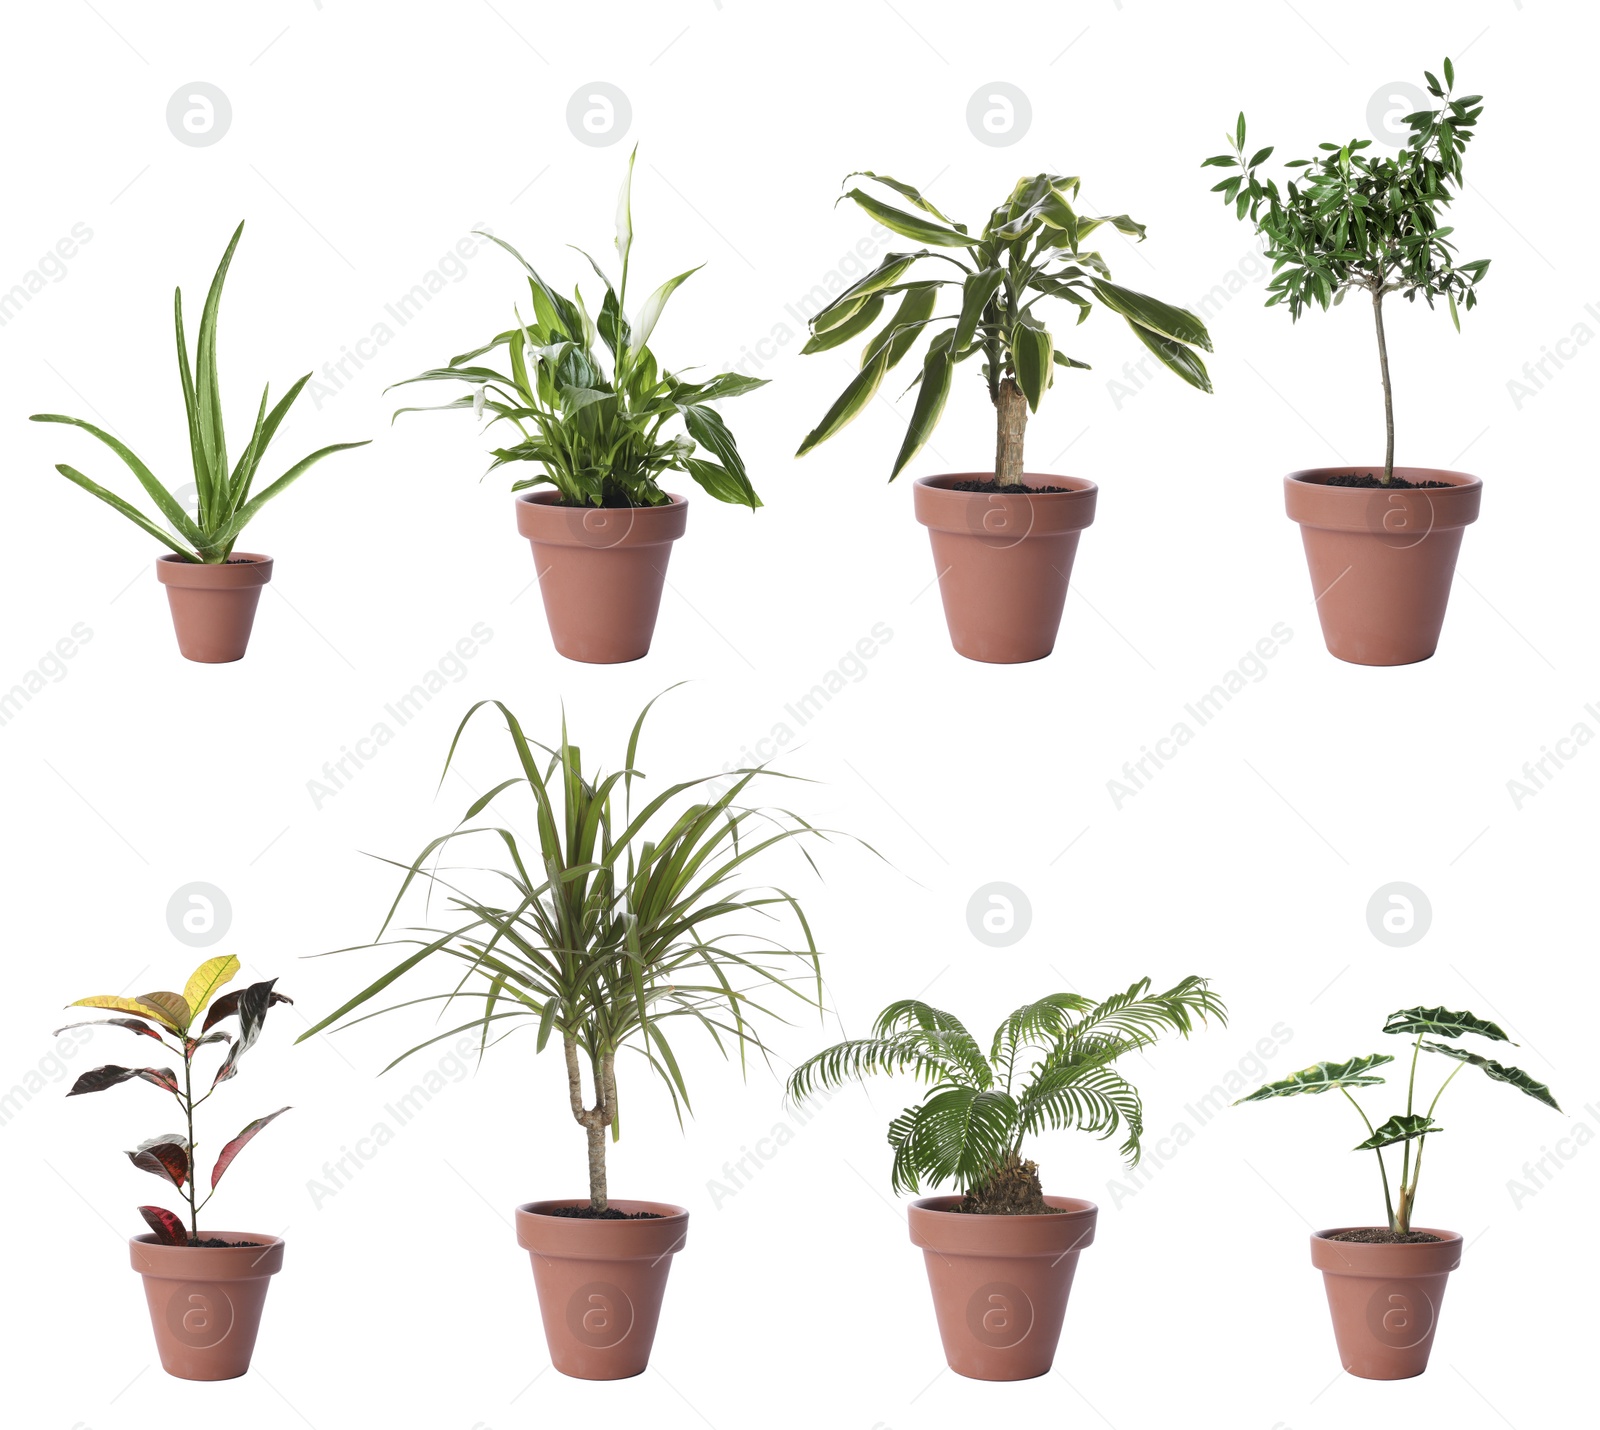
[1050,1065]
[1410,1129]
[622,923]
[1354,221]
[589,401]
[225,497]
[170,1019]
[1030,249]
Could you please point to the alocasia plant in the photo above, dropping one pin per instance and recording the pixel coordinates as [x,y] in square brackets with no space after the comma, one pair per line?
[1410,1126]
[169,1018]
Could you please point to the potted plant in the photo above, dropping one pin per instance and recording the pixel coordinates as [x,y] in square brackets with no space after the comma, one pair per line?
[211,588]
[1003,541]
[591,406]
[205,1289]
[1382,547]
[1001,1255]
[1385,1283]
[620,924]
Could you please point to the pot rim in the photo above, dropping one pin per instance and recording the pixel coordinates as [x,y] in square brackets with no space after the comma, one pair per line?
[550,496]
[264,1257]
[1446,1238]
[1078,487]
[939,1206]
[665,1211]
[1458,481]
[241,571]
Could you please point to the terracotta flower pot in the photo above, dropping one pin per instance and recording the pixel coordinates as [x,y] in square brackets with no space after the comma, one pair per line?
[601,570]
[213,607]
[600,1283]
[1382,560]
[1385,1299]
[1000,1283]
[205,1301]
[1003,561]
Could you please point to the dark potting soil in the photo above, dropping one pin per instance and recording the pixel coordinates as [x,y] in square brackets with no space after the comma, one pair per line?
[218,1241]
[1382,1236]
[588,1213]
[1370,479]
[993,488]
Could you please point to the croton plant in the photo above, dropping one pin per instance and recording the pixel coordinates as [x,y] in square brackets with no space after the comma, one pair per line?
[170,1018]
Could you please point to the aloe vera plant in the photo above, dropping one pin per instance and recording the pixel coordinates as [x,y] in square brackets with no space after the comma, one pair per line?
[1050,1065]
[1030,249]
[619,924]
[169,1019]
[1411,1126]
[224,501]
[594,422]
[1361,222]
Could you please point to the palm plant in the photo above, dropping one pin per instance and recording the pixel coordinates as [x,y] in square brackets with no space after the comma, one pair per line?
[616,927]
[1411,1126]
[591,422]
[1358,222]
[1050,1065]
[224,504]
[1029,250]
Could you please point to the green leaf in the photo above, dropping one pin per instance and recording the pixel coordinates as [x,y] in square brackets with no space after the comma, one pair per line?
[111,499]
[1176,357]
[937,369]
[919,230]
[708,428]
[1444,1024]
[1031,347]
[1322,1077]
[169,505]
[850,403]
[905,327]
[859,321]
[1402,1128]
[1146,312]
[976,292]
[1498,1071]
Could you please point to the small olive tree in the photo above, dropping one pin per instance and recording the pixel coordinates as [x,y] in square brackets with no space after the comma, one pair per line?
[1356,220]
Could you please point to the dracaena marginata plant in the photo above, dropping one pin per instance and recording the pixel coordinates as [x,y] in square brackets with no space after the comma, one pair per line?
[1030,249]
[1050,1065]
[588,399]
[1354,221]
[169,1018]
[1409,1129]
[619,926]
[223,494]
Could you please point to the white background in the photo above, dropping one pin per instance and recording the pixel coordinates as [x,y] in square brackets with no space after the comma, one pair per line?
[364,142]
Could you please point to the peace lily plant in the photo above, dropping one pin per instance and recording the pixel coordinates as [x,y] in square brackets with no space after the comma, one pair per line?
[1385,1283]
[205,1291]
[595,417]
[1351,220]
[1003,541]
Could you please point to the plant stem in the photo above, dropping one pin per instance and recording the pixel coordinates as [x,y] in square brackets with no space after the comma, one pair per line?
[1405,1161]
[1383,1170]
[1011,409]
[1388,391]
[594,1120]
[188,1113]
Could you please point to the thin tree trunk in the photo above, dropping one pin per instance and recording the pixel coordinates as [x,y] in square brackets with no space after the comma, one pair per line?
[1388,392]
[1011,419]
[594,1120]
